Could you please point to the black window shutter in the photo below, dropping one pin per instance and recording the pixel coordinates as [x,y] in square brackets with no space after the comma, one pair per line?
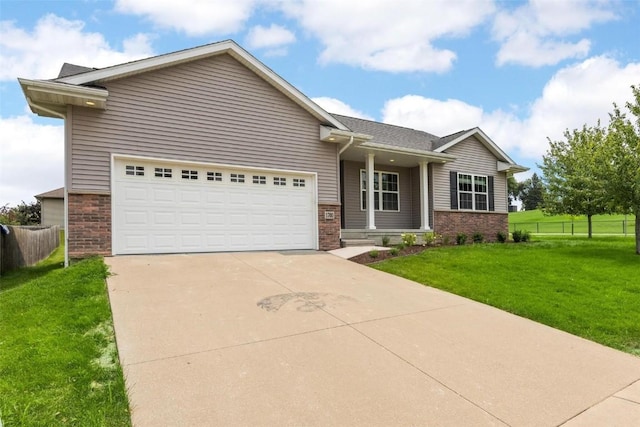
[453,189]
[492,205]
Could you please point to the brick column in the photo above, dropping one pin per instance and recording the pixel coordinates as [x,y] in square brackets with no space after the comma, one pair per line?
[89,225]
[329,229]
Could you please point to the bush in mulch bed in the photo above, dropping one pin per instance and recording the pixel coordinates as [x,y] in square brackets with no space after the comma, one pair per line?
[381,255]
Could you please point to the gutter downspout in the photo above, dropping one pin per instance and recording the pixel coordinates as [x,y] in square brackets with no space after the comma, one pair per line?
[342,150]
[66,192]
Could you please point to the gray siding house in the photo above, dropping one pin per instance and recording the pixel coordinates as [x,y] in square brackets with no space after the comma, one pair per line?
[52,207]
[207,149]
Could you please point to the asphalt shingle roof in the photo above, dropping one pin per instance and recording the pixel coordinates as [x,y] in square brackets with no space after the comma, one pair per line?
[396,136]
[58,193]
[72,69]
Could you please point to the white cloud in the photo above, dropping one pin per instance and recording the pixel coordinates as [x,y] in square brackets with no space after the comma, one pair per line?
[576,95]
[32,158]
[41,52]
[274,36]
[192,17]
[388,36]
[532,34]
[431,115]
[333,105]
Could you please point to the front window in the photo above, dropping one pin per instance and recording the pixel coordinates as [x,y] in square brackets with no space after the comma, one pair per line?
[473,192]
[386,191]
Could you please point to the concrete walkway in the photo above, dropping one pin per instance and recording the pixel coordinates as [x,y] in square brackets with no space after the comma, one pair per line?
[311,339]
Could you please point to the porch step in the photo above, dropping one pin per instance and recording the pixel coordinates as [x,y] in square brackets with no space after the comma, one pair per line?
[356,242]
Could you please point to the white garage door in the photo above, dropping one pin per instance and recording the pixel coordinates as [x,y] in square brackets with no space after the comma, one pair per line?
[167,208]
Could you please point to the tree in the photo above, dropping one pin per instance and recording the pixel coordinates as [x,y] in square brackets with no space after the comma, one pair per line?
[530,192]
[572,171]
[512,189]
[622,169]
[23,214]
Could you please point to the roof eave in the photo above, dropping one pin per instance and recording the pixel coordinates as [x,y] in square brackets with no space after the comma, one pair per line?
[486,141]
[428,155]
[50,99]
[511,168]
[338,136]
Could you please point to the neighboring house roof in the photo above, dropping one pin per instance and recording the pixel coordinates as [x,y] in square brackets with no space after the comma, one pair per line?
[58,193]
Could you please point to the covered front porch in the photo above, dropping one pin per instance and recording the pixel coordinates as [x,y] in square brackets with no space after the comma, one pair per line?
[402,196]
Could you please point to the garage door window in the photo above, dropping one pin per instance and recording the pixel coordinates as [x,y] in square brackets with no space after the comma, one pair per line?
[189,174]
[279,181]
[298,182]
[237,177]
[134,170]
[259,179]
[162,173]
[214,176]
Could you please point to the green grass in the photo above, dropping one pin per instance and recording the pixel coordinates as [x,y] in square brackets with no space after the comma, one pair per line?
[537,222]
[589,288]
[58,358]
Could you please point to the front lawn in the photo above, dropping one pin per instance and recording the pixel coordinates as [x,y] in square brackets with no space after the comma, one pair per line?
[589,288]
[58,358]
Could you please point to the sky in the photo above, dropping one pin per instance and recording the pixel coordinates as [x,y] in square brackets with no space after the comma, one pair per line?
[522,71]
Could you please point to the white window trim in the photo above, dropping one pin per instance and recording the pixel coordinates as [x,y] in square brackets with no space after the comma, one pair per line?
[380,190]
[473,192]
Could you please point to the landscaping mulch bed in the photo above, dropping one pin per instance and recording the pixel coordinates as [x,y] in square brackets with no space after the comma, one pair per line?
[365,258]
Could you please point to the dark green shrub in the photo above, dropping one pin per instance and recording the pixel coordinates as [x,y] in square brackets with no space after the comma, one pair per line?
[501,236]
[374,253]
[394,251]
[521,236]
[478,237]
[385,240]
[461,238]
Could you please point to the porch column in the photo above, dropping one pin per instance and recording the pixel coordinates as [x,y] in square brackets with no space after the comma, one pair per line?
[371,211]
[424,196]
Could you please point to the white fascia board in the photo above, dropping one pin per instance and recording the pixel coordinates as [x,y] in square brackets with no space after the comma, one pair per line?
[63,89]
[419,153]
[227,46]
[327,132]
[511,167]
[492,146]
[142,65]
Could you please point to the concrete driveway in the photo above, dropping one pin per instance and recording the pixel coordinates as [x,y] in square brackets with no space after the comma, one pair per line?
[312,339]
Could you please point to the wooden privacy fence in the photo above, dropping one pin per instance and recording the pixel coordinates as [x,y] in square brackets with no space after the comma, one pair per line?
[26,245]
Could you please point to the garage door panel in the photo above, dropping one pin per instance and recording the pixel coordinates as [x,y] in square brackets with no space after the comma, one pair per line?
[192,218]
[171,214]
[191,241]
[215,219]
[136,217]
[164,242]
[135,194]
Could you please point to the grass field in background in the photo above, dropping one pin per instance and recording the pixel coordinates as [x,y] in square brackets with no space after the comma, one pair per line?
[536,221]
[58,357]
[590,288]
